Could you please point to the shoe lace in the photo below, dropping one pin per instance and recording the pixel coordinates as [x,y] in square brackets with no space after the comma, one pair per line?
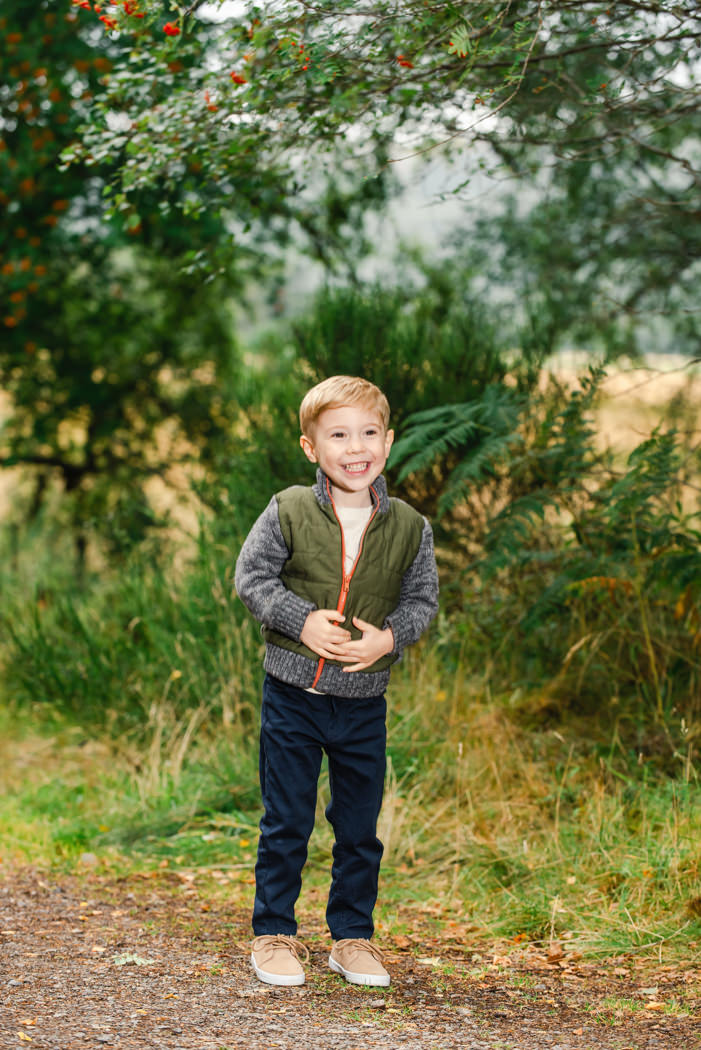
[360,944]
[282,940]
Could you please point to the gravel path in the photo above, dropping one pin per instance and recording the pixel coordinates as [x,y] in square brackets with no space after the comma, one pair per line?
[99,962]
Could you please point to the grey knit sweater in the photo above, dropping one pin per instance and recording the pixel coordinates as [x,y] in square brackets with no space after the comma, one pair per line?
[258,584]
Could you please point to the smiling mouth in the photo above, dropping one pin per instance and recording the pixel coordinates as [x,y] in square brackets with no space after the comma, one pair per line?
[355,468]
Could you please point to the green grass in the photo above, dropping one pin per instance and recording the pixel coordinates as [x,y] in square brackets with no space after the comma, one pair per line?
[65,793]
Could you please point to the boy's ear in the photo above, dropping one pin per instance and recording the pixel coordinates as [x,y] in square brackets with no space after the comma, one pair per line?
[308,448]
[389,439]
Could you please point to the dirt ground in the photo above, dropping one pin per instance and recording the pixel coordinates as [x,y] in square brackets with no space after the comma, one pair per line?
[98,961]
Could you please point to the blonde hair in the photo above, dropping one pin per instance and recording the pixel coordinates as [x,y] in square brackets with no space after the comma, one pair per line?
[336,392]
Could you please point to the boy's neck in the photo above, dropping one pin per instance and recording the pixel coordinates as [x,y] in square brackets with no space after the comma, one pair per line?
[351,499]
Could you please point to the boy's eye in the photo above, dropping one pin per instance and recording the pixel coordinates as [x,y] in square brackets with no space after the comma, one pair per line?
[338,434]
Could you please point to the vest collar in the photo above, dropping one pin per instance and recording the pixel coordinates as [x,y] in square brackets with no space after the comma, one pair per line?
[379,485]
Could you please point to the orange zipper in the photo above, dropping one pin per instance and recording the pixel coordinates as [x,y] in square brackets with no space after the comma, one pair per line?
[345,584]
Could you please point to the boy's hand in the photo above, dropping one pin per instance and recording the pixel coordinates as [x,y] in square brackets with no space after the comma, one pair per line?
[374,644]
[322,634]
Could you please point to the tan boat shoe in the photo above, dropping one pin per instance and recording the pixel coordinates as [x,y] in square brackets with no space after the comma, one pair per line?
[360,962]
[275,959]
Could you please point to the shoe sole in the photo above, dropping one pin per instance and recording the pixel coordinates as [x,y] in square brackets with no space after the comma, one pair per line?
[285,980]
[377,980]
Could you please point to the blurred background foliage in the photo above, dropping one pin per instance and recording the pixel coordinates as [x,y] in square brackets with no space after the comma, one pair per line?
[133,403]
[180,262]
[112,355]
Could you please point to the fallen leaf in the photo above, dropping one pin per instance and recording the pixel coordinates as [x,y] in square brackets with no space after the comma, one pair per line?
[24,1037]
[654,1006]
[131,959]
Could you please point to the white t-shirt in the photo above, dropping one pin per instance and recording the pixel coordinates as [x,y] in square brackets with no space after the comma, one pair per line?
[353,521]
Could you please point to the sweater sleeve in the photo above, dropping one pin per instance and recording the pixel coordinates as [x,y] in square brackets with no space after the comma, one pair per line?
[257,577]
[418,597]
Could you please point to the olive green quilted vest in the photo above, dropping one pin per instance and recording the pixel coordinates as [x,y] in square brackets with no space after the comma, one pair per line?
[314,569]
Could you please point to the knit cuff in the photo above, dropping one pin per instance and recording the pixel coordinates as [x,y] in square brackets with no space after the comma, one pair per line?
[402,629]
[288,615]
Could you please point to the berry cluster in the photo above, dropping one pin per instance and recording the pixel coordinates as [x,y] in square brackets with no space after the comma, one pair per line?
[130,8]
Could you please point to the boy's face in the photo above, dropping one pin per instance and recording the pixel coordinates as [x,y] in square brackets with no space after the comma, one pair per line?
[351,446]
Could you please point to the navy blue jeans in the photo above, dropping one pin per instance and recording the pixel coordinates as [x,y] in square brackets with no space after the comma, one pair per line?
[296,728]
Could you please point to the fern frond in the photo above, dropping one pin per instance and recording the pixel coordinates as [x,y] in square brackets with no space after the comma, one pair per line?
[433,433]
[475,467]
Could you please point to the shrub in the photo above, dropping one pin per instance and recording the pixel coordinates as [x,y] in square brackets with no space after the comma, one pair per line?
[587,579]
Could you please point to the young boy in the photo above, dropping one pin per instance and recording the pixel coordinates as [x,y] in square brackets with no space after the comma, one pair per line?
[342,578]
